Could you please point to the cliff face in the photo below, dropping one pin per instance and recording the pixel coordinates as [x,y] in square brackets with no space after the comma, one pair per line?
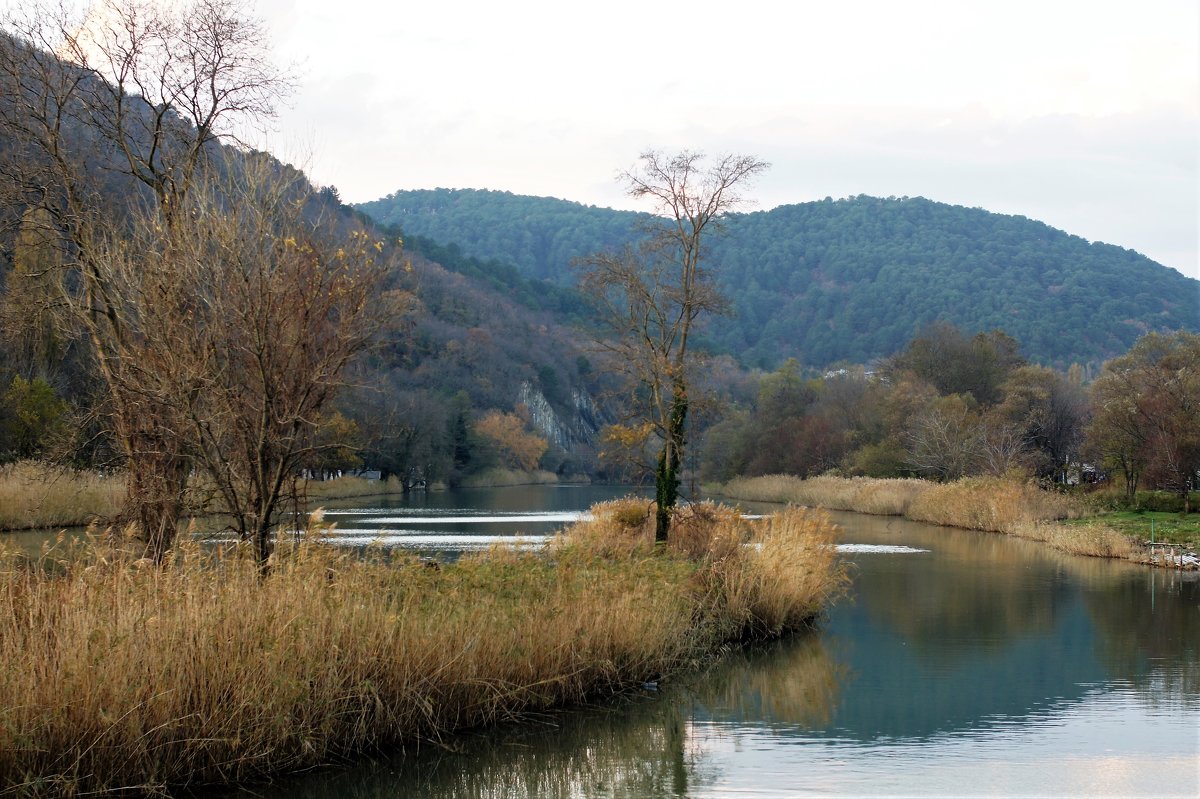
[578,431]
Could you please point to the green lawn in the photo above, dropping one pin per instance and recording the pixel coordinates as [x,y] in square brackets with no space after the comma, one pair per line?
[1171,528]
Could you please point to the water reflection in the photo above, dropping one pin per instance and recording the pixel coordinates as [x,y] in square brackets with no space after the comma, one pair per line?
[962,663]
[643,747]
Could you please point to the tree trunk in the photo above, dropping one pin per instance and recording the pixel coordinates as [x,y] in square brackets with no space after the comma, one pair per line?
[156,478]
[666,478]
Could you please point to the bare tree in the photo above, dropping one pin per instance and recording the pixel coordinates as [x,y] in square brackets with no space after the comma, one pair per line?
[943,440]
[652,295]
[126,101]
[241,321]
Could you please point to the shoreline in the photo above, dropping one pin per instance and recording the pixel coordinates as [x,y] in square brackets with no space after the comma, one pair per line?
[118,676]
[36,496]
[989,505]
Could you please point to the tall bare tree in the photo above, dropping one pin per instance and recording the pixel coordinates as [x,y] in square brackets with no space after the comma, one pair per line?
[652,295]
[241,322]
[126,99]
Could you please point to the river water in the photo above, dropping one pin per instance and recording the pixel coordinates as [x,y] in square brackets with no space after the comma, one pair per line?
[960,664]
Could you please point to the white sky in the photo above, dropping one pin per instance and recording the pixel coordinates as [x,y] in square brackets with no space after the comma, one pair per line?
[1083,114]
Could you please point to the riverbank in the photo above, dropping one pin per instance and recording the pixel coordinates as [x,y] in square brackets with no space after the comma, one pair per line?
[114,675]
[35,495]
[1067,523]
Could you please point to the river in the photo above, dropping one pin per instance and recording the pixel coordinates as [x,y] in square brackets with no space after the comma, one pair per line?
[959,664]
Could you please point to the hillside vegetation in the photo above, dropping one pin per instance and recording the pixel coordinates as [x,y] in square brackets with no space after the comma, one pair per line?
[848,280]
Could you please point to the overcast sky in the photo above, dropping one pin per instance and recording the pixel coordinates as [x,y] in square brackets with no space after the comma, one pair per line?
[1085,115]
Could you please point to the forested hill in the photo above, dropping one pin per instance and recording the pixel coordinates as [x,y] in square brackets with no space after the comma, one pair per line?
[849,279]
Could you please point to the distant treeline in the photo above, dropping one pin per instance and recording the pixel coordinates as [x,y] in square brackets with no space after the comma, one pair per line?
[949,406]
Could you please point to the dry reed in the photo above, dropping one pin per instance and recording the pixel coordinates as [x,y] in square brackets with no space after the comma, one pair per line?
[883,497]
[991,504]
[35,495]
[987,504]
[114,674]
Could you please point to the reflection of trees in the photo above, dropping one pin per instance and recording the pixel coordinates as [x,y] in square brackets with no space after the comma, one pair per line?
[1148,631]
[980,589]
[638,750]
[789,683]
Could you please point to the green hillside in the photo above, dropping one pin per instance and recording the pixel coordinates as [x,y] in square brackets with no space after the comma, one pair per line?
[849,279]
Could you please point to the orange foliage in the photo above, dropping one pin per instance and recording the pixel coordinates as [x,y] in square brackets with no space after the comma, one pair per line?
[517,447]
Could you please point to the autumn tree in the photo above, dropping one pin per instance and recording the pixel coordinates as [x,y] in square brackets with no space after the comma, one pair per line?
[1049,411]
[652,295]
[111,113]
[1146,404]
[944,439]
[516,446]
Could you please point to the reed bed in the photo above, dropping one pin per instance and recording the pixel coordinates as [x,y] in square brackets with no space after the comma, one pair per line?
[987,504]
[118,675]
[992,504]
[882,497]
[500,477]
[1093,538]
[344,487]
[34,494]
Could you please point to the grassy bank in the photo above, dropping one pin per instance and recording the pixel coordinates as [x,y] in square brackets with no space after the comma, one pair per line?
[35,495]
[499,477]
[1068,523]
[115,675]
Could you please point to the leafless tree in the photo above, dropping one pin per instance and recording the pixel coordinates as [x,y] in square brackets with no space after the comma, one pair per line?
[943,441]
[652,295]
[110,114]
[241,323]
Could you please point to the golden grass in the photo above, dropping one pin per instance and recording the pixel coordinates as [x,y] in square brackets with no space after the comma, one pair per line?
[343,487]
[1091,538]
[883,497]
[498,477]
[976,503]
[35,495]
[117,674]
[991,504]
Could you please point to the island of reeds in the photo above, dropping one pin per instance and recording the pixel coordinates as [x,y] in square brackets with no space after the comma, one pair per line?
[117,674]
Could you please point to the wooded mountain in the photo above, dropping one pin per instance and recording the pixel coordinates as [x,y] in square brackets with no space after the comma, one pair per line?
[844,280]
[470,343]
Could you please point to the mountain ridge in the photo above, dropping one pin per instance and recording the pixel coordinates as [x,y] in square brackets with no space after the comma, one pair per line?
[850,279]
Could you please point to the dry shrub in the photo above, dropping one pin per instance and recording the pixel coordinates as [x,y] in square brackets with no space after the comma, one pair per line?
[618,527]
[708,532]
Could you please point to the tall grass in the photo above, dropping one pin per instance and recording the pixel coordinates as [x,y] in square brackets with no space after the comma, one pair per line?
[883,497]
[343,487]
[114,674]
[991,504]
[34,495]
[976,503]
[499,476]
